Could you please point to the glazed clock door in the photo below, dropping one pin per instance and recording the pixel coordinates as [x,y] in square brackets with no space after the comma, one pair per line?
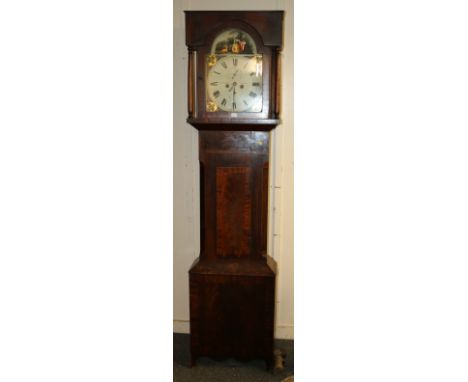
[233,68]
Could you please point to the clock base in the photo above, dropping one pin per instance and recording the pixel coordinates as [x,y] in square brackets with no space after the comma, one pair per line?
[232,309]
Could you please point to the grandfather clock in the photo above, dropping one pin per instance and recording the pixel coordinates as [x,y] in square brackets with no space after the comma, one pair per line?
[233,100]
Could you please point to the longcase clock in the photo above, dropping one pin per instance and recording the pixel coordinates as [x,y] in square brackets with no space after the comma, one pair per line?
[233,100]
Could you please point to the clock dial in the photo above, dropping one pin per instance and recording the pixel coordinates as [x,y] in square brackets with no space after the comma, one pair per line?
[234,83]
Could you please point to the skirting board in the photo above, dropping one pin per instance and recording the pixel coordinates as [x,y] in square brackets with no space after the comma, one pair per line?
[283,332]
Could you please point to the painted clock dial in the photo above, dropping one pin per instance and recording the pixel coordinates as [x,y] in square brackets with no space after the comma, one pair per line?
[234,83]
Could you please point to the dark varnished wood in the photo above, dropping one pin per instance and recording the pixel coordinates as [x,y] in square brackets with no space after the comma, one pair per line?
[266,266]
[190,84]
[264,205]
[232,283]
[233,211]
[276,82]
[234,192]
[265,27]
[232,309]
[199,25]
[234,124]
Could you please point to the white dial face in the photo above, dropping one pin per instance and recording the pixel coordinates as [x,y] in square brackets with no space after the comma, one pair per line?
[234,83]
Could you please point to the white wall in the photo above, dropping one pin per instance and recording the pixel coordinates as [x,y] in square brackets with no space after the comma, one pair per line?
[186,185]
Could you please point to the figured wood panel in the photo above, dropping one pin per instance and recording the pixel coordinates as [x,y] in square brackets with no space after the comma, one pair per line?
[233,211]
[234,189]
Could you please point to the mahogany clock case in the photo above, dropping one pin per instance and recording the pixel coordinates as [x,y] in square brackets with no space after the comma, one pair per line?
[232,283]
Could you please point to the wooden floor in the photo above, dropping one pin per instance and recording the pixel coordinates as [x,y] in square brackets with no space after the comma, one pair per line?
[208,370]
